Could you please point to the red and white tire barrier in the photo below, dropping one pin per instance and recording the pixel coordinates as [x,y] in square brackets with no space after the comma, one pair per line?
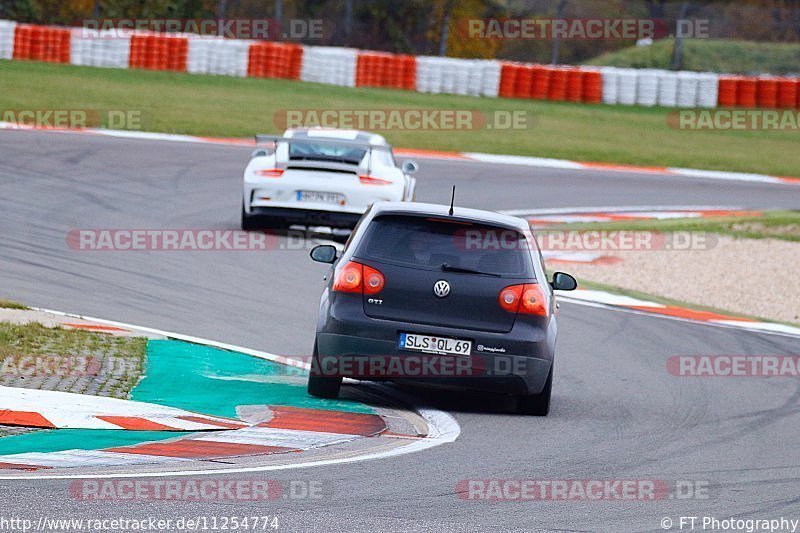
[349,67]
[65,410]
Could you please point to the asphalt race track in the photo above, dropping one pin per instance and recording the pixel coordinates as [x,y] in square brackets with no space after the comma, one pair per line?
[617,413]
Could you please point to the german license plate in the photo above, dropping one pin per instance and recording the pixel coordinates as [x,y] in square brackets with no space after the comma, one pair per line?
[320,197]
[431,344]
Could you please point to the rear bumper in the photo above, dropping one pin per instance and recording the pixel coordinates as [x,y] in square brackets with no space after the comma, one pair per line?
[336,219]
[522,367]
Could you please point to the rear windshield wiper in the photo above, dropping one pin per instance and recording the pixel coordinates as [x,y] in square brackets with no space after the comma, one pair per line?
[450,268]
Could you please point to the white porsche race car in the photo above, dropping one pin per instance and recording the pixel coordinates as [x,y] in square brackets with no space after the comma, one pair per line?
[321,177]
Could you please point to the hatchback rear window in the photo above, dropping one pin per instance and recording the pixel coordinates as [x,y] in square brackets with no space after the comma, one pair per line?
[436,243]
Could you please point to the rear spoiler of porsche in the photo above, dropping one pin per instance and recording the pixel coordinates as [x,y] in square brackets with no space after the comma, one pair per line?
[344,143]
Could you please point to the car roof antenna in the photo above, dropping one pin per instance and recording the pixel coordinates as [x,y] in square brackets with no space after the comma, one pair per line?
[452,200]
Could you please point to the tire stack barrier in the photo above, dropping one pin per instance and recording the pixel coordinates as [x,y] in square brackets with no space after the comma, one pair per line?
[105,48]
[558,84]
[541,82]
[327,64]
[574,85]
[707,89]
[350,67]
[746,92]
[647,87]
[787,96]
[274,60]
[161,51]
[223,57]
[688,83]
[7,31]
[610,84]
[381,69]
[628,79]
[667,88]
[542,76]
[42,43]
[727,93]
[447,75]
[508,78]
[592,86]
[767,92]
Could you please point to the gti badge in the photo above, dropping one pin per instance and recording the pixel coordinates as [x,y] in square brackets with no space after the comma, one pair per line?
[441,288]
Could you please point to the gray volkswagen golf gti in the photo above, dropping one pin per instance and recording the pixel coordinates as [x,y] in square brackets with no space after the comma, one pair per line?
[450,297]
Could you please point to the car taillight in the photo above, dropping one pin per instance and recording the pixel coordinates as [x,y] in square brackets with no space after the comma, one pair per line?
[370,180]
[269,172]
[526,299]
[355,277]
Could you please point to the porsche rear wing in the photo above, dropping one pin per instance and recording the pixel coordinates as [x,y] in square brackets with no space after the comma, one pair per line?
[343,143]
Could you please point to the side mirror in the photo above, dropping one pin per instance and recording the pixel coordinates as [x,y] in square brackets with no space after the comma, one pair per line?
[409,167]
[564,282]
[324,253]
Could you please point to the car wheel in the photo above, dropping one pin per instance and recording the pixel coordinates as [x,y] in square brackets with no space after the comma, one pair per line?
[322,386]
[248,221]
[537,404]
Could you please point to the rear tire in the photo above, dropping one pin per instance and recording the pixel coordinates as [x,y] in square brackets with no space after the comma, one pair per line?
[537,404]
[322,386]
[248,221]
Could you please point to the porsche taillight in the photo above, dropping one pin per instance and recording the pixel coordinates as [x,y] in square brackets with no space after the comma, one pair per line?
[355,277]
[372,180]
[526,298]
[269,172]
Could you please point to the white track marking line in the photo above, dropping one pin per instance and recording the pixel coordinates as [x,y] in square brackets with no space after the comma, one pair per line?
[67,410]
[287,438]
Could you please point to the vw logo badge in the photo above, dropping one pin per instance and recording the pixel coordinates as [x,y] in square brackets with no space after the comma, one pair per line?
[441,288]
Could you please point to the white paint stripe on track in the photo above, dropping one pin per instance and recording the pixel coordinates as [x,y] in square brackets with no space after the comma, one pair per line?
[722,175]
[287,438]
[524,161]
[79,458]
[68,410]
[608,298]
